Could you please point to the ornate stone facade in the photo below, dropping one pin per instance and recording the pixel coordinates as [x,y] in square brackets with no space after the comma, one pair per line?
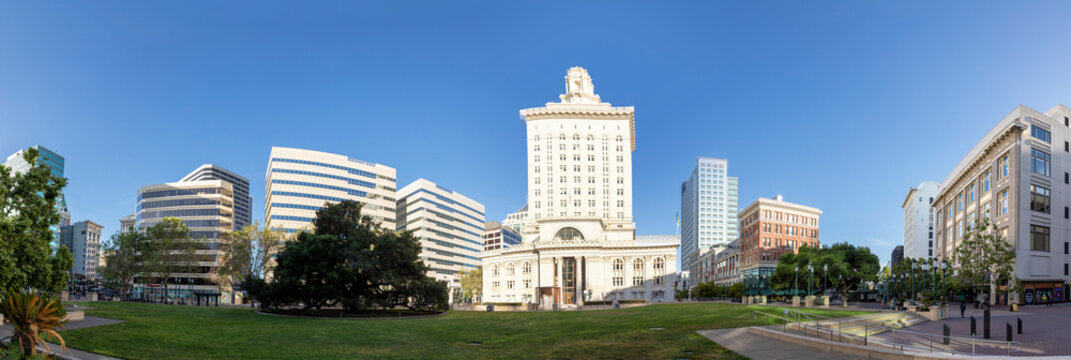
[579,236]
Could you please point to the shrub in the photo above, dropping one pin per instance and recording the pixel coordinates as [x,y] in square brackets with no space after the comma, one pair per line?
[32,314]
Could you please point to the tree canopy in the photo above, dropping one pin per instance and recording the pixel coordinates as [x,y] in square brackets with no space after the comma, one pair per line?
[27,213]
[349,260]
[984,258]
[848,268]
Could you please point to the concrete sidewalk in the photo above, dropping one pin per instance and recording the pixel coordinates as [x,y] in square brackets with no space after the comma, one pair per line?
[761,347]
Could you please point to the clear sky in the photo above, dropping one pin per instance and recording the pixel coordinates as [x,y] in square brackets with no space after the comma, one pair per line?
[839,105]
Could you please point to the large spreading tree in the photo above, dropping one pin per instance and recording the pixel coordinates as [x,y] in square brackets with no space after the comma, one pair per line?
[849,267]
[350,261]
[246,253]
[27,213]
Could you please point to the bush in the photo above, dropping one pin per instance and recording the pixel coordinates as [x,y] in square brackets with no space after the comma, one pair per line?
[32,314]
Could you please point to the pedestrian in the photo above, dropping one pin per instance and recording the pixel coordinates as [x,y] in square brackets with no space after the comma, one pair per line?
[1050,300]
[962,308]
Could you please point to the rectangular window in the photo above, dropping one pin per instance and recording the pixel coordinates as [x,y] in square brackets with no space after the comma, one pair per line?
[1039,162]
[985,182]
[1039,199]
[1004,202]
[1003,167]
[1067,178]
[970,195]
[1067,146]
[1039,238]
[985,210]
[1065,248]
[1040,134]
[1065,269]
[1067,213]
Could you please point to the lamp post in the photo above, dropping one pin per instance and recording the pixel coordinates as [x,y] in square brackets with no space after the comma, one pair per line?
[914,265]
[934,275]
[925,272]
[944,283]
[796,288]
[825,284]
[810,279]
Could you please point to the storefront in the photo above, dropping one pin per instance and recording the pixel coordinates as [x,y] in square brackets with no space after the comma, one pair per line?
[1043,292]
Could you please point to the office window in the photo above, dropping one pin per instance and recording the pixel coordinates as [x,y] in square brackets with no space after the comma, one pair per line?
[1067,146]
[985,210]
[1003,202]
[1040,134]
[959,202]
[1066,122]
[1065,269]
[1002,166]
[1066,213]
[985,183]
[1039,162]
[1067,178]
[1065,248]
[1039,199]
[1039,238]
[970,194]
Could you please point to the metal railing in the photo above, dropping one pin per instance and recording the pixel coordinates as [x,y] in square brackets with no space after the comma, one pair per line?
[956,345]
[908,340]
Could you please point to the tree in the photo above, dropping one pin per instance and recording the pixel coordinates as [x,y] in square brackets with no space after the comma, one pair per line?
[736,290]
[32,314]
[471,284]
[168,250]
[351,261]
[849,268]
[246,253]
[984,257]
[124,260]
[27,213]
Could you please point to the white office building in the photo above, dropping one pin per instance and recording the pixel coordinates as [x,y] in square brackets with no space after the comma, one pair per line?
[299,182]
[580,240]
[83,240]
[708,209]
[449,226]
[918,220]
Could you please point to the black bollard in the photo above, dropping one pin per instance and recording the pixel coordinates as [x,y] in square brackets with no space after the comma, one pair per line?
[974,327]
[1020,328]
[948,331]
[985,323]
[1009,332]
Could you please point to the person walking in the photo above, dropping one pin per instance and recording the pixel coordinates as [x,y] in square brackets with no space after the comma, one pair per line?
[962,308]
[1049,303]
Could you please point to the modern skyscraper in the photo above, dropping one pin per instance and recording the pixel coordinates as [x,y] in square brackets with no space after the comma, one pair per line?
[918,220]
[497,236]
[450,227]
[708,208]
[771,228]
[207,208]
[299,182]
[579,237]
[243,202]
[83,239]
[1017,177]
[56,163]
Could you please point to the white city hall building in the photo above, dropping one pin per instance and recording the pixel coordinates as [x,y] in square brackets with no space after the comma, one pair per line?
[580,240]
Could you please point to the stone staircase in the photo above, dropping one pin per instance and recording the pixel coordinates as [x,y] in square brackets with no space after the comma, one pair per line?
[872,324]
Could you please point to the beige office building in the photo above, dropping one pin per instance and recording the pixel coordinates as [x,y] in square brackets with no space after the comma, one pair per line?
[299,182]
[1017,176]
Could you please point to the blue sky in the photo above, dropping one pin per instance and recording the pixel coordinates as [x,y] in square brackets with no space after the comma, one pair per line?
[838,105]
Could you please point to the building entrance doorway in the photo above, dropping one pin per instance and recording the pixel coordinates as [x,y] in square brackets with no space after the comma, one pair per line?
[569,280]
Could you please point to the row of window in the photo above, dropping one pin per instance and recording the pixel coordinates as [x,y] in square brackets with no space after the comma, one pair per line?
[364,173]
[178,192]
[367,184]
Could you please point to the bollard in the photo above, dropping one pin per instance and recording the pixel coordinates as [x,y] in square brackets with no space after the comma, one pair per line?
[1009,332]
[948,331]
[1020,328]
[985,323]
[974,327]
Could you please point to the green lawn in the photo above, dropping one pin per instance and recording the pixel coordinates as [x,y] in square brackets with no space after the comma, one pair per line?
[185,332]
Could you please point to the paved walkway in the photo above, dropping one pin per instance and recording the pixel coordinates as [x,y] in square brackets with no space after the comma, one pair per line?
[761,347]
[1044,329]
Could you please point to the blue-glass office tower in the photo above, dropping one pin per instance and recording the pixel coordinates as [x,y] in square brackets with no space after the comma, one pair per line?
[55,162]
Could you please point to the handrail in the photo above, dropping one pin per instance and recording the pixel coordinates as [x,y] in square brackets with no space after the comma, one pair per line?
[1013,346]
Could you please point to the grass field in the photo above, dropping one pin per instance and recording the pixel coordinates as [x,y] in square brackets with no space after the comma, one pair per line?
[185,332]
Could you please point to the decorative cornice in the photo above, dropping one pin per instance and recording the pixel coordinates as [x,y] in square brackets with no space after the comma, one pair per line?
[1003,134]
[602,111]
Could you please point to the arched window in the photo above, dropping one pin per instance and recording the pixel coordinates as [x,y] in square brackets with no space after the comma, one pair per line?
[576,137]
[494,270]
[659,270]
[619,272]
[510,269]
[537,138]
[526,268]
[619,138]
[562,137]
[637,272]
[568,234]
[591,137]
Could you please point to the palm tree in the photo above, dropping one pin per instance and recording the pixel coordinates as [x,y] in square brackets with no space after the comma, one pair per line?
[32,315]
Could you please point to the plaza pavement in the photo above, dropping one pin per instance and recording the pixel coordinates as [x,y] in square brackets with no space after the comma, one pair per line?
[760,347]
[1043,327]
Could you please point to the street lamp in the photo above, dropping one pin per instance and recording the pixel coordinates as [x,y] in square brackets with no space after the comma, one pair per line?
[796,288]
[825,285]
[914,294]
[810,279]
[925,271]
